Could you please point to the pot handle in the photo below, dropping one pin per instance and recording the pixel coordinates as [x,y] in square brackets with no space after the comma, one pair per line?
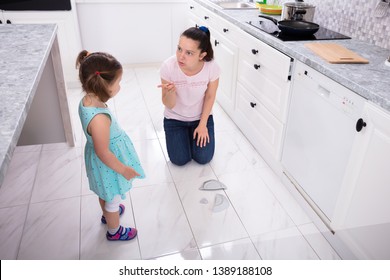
[300,12]
[270,18]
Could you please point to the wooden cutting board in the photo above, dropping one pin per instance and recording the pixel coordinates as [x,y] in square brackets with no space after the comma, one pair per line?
[334,53]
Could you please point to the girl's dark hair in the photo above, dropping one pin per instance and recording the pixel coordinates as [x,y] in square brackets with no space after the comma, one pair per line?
[202,35]
[97,71]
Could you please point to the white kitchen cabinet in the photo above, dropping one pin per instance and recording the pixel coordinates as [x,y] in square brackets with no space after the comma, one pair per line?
[68,34]
[265,72]
[258,124]
[263,86]
[223,34]
[363,215]
[134,32]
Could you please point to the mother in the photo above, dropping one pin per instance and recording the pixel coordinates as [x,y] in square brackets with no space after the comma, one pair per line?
[189,82]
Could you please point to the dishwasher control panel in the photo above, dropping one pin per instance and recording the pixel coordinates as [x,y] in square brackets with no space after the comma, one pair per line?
[339,96]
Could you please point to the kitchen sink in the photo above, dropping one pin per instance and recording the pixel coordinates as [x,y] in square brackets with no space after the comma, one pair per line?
[235,4]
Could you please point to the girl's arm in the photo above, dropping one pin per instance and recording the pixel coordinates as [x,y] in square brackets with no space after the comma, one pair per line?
[209,99]
[168,94]
[99,128]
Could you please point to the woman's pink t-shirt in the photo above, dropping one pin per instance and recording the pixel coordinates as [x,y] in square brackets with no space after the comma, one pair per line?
[190,90]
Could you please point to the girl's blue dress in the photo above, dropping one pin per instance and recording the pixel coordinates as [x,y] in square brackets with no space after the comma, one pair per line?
[104,181]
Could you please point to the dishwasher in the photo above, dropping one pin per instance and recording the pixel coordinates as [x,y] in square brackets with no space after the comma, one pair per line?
[323,119]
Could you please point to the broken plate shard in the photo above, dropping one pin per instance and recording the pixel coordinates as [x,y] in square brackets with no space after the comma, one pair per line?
[212,185]
[220,203]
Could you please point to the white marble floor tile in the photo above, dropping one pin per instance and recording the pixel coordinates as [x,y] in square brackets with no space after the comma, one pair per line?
[209,227]
[242,249]
[284,197]
[287,244]
[11,230]
[133,117]
[153,162]
[253,157]
[161,222]
[19,179]
[257,207]
[27,149]
[228,156]
[52,231]
[94,244]
[192,171]
[222,122]
[58,176]
[318,242]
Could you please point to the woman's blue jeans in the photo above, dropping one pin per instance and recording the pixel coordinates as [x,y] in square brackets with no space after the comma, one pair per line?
[182,147]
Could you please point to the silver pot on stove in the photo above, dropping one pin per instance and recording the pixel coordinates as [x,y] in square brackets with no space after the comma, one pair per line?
[298,10]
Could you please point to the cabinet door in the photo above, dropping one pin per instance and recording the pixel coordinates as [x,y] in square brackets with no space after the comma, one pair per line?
[258,124]
[364,208]
[225,54]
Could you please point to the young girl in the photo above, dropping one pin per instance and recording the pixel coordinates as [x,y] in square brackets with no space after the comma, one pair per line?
[110,159]
[189,83]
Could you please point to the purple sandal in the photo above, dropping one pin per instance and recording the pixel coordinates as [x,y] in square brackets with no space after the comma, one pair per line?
[128,234]
[121,211]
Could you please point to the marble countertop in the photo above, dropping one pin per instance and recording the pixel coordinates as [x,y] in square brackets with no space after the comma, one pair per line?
[24,50]
[371,81]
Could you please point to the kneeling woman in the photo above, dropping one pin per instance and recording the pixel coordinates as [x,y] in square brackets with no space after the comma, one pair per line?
[189,82]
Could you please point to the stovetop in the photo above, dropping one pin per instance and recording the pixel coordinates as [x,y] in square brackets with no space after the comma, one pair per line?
[271,28]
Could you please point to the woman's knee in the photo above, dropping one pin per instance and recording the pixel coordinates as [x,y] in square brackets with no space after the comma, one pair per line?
[180,162]
[203,160]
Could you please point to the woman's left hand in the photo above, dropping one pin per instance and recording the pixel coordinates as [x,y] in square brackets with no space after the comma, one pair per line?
[201,134]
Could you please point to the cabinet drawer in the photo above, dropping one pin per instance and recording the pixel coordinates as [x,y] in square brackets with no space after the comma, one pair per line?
[258,124]
[266,56]
[268,88]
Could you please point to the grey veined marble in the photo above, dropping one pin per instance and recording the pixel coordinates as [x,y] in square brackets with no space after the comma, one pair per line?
[24,50]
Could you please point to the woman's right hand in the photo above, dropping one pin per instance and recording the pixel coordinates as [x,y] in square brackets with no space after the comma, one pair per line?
[129,173]
[168,87]
[168,93]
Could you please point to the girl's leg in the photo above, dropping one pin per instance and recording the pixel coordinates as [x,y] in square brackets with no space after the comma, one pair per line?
[112,216]
[178,141]
[203,155]
[116,231]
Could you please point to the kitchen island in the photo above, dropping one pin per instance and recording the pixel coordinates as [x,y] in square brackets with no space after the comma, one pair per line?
[34,108]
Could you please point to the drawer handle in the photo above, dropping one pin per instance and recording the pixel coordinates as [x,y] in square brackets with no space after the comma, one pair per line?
[206,17]
[225,30]
[216,42]
[253,105]
[254,51]
[257,66]
[192,7]
[360,124]
[8,21]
